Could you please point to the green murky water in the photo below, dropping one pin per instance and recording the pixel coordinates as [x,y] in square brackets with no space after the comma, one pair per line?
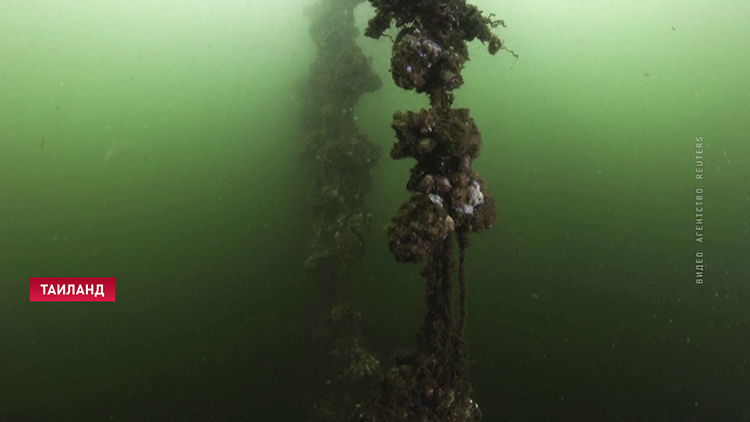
[157,142]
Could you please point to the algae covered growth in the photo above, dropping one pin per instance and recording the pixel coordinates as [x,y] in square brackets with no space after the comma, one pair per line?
[448,198]
[347,211]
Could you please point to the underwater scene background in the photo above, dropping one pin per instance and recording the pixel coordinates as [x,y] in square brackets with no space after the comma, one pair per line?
[161,143]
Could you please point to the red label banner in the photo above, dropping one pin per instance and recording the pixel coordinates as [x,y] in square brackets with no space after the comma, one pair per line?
[72,289]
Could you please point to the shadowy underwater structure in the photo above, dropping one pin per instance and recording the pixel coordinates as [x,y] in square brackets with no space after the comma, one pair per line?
[448,199]
[337,370]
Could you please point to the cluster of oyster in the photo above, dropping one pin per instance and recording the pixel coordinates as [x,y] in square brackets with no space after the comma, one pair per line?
[418,62]
[446,194]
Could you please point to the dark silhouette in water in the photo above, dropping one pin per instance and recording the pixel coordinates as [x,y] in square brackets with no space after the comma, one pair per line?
[336,368]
